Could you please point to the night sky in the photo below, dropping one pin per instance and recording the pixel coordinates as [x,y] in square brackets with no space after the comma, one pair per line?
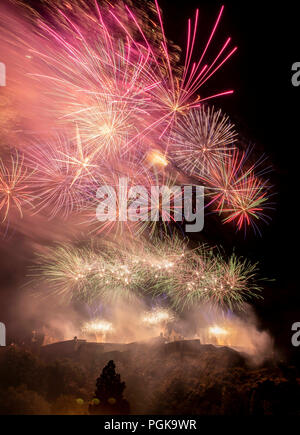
[264,108]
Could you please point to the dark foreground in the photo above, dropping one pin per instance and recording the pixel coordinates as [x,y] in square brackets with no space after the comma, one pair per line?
[174,378]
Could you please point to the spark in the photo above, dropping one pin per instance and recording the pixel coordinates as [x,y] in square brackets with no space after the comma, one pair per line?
[217,330]
[63,176]
[15,189]
[101,326]
[166,267]
[236,191]
[156,158]
[177,93]
[201,139]
[158,316]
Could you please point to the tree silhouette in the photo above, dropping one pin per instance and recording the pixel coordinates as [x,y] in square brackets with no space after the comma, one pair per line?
[108,397]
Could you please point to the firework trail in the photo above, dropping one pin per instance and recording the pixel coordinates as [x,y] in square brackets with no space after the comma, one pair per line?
[166,268]
[99,328]
[247,203]
[15,192]
[201,139]
[69,271]
[177,89]
[108,209]
[158,316]
[64,175]
[118,88]
[99,83]
[237,192]
[210,279]
[115,90]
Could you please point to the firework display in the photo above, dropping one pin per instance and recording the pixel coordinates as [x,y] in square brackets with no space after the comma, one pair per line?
[238,191]
[117,102]
[115,92]
[167,267]
[98,328]
[202,139]
[157,317]
[14,188]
